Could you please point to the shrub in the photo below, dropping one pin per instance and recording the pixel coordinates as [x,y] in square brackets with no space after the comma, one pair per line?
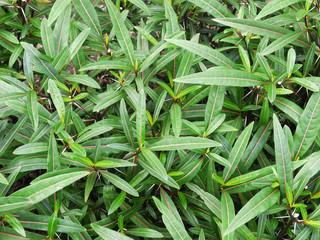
[159,119]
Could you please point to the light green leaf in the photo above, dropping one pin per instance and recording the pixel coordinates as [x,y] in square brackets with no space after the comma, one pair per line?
[206,52]
[170,143]
[274,6]
[259,203]
[223,77]
[122,32]
[283,156]
[57,99]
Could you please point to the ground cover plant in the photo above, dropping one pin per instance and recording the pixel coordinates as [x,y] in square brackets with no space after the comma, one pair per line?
[174,119]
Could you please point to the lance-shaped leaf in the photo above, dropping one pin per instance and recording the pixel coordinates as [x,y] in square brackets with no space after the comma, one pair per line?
[91,180]
[108,64]
[121,31]
[83,79]
[223,77]
[5,142]
[176,120]
[211,202]
[47,38]
[15,224]
[32,107]
[120,183]
[172,25]
[41,222]
[214,7]
[256,145]
[46,67]
[31,148]
[145,232]
[170,143]
[44,188]
[274,6]
[214,104]
[260,28]
[57,99]
[174,226]
[206,52]
[308,126]
[281,42]
[109,100]
[117,202]
[127,125]
[107,234]
[141,118]
[260,202]
[140,4]
[154,162]
[283,156]
[88,14]
[56,10]
[237,152]
[12,204]
[228,213]
[7,233]
[53,154]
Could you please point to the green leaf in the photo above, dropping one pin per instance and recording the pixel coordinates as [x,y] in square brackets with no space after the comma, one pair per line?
[53,224]
[144,232]
[110,99]
[6,35]
[211,202]
[83,79]
[154,162]
[170,143]
[291,59]
[46,67]
[12,204]
[308,126]
[47,38]
[206,52]
[175,114]
[89,15]
[274,6]
[228,213]
[91,180]
[283,156]
[107,64]
[15,224]
[237,152]
[53,154]
[306,83]
[120,183]
[31,148]
[5,142]
[172,25]
[140,4]
[141,118]
[107,234]
[57,99]
[223,77]
[127,125]
[56,10]
[259,203]
[174,226]
[281,42]
[260,28]
[117,202]
[122,32]
[214,7]
[45,188]
[32,107]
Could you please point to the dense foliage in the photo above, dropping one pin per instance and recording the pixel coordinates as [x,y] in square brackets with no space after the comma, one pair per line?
[177,119]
